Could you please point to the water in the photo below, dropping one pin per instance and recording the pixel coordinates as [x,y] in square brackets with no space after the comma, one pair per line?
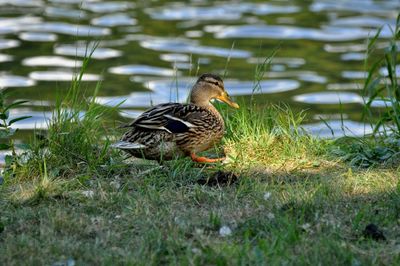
[150,51]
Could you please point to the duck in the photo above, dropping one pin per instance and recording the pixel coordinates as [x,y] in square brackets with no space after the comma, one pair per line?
[170,130]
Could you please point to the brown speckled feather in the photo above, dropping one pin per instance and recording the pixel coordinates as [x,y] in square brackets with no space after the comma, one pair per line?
[173,129]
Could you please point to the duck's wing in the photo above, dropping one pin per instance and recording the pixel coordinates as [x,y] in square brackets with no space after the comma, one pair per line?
[170,117]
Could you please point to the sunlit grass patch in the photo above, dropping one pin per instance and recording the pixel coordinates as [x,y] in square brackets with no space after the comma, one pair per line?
[271,136]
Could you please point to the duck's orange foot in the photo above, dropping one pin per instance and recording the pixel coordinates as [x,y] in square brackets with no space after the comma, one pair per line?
[199,159]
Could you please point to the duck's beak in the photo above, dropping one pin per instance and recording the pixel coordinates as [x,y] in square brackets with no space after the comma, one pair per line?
[226,99]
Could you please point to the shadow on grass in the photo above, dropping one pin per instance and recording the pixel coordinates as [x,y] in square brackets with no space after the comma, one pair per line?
[300,215]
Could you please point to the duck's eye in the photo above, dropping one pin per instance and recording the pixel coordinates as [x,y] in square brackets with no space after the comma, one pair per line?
[215,83]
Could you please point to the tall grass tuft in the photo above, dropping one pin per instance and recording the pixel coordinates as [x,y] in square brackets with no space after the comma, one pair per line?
[270,135]
[381,85]
[77,140]
[260,134]
[7,132]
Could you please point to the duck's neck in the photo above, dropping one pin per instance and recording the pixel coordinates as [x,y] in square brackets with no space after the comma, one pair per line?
[197,97]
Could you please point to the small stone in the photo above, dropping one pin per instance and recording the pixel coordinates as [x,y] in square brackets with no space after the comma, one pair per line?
[199,231]
[355,262]
[227,160]
[196,250]
[68,262]
[96,220]
[267,195]
[88,193]
[115,184]
[179,221]
[270,216]
[225,231]
[306,227]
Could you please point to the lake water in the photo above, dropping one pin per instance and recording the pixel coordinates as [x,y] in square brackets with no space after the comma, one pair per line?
[151,52]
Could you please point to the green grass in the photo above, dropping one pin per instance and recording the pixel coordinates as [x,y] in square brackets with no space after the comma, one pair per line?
[84,203]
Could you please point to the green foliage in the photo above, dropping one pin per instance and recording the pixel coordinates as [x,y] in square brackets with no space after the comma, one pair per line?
[77,141]
[381,84]
[7,132]
[369,151]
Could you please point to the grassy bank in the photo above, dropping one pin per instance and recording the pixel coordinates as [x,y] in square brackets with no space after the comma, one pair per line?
[283,198]
[74,200]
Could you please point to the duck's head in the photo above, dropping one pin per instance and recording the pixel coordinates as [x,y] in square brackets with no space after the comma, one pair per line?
[208,87]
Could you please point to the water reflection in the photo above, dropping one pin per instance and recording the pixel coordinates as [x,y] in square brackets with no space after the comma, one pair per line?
[337,128]
[384,71]
[351,47]
[353,56]
[38,120]
[70,1]
[344,86]
[158,44]
[6,44]
[194,13]
[308,76]
[362,21]
[142,70]
[366,6]
[106,7]
[380,103]
[23,3]
[329,98]
[68,29]
[293,62]
[220,12]
[350,74]
[191,47]
[112,20]
[57,61]
[37,37]
[59,75]
[5,58]
[175,57]
[328,33]
[17,24]
[60,12]
[83,50]
[7,81]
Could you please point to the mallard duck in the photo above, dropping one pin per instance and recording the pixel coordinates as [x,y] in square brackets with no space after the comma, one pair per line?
[174,129]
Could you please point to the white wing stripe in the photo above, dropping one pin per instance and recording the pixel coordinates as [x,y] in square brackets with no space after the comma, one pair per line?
[154,127]
[180,120]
